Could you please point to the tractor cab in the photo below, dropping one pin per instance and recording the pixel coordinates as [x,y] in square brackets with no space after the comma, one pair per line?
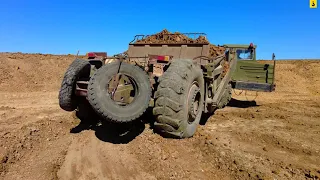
[249,74]
[246,53]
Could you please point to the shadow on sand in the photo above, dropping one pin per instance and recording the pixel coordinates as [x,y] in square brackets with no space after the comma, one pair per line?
[241,104]
[110,132]
[232,103]
[124,133]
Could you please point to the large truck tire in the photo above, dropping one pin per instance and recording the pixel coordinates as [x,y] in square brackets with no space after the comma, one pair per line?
[226,97]
[179,100]
[79,68]
[105,106]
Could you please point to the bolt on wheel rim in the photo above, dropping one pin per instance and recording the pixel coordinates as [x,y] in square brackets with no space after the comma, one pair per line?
[194,98]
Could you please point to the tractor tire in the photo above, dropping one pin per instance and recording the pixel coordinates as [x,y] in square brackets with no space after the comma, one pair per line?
[225,98]
[101,101]
[179,100]
[79,68]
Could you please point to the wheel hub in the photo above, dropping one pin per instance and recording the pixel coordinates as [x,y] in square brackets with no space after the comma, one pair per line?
[193,102]
[122,89]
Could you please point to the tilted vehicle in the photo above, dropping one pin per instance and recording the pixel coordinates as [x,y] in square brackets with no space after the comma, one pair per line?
[179,80]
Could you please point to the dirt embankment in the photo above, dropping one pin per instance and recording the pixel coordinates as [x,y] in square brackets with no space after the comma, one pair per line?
[32,72]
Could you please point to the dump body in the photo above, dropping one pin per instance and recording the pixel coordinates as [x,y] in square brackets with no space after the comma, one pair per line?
[179,49]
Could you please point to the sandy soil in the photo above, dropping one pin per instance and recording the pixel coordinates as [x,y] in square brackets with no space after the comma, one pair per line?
[277,136]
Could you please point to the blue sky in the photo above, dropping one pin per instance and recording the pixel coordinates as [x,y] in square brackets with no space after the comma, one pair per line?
[290,29]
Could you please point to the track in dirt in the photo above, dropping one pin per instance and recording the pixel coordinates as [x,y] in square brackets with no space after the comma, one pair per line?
[275,136]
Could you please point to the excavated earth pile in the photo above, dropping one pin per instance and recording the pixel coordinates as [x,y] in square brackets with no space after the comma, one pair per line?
[167,37]
[276,136]
[163,37]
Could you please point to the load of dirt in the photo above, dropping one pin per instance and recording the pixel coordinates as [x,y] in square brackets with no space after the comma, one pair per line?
[166,37]
[216,50]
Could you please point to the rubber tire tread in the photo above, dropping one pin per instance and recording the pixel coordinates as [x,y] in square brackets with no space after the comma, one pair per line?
[67,98]
[105,106]
[226,97]
[170,109]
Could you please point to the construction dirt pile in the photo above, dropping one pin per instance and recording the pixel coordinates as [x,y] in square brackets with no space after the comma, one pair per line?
[216,50]
[174,38]
[32,72]
[271,136]
[165,36]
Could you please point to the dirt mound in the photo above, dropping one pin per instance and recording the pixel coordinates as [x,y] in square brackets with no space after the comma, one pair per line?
[216,50]
[32,72]
[167,37]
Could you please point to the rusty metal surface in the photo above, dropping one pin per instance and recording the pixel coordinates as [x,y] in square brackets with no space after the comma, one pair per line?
[81,88]
[176,51]
[97,55]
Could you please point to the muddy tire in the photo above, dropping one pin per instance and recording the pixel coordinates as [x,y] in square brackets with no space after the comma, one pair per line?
[79,68]
[101,100]
[226,97]
[179,100]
